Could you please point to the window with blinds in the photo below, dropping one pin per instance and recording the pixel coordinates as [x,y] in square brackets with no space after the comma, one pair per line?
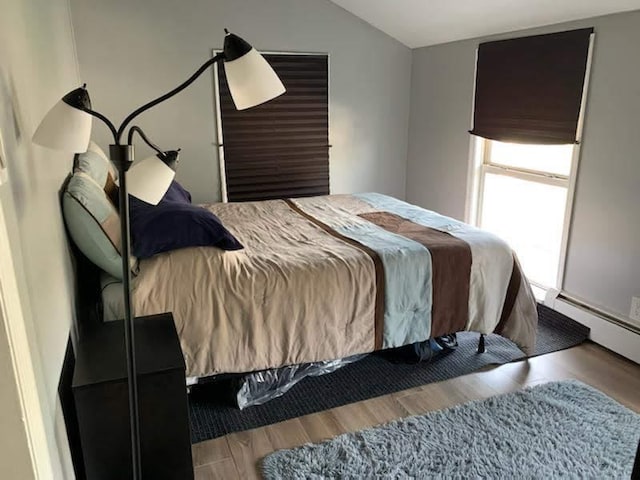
[279,149]
[529,98]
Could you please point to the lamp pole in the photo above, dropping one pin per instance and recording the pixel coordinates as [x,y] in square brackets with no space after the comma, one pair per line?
[255,83]
[122,157]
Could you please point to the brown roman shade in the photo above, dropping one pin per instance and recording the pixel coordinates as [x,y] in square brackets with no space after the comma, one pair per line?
[280,149]
[529,90]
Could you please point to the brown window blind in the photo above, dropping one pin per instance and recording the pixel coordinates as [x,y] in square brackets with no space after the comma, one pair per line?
[529,90]
[279,149]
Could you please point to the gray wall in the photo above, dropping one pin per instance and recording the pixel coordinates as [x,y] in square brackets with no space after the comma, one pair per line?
[37,66]
[132,51]
[603,262]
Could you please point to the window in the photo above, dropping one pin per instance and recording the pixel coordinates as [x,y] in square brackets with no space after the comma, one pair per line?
[523,195]
[279,149]
[529,100]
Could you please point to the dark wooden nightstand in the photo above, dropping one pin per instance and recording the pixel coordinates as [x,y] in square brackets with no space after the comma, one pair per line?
[100,393]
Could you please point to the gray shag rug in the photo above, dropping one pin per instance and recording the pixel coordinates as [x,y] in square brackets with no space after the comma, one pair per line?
[560,429]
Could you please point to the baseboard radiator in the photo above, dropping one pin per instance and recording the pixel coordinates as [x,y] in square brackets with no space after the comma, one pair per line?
[612,331]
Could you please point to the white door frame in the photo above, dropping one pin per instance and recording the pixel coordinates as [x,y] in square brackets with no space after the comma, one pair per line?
[21,351]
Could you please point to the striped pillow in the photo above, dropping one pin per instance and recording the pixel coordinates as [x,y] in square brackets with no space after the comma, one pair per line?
[95,163]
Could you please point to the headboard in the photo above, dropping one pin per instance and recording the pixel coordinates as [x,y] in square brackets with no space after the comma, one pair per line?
[86,278]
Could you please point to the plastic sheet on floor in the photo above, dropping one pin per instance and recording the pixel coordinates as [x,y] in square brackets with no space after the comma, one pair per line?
[259,387]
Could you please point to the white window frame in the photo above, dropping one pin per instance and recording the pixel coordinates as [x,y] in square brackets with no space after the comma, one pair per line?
[545,178]
[479,165]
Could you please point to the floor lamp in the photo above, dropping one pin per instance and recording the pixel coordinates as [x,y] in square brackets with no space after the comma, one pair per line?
[67,127]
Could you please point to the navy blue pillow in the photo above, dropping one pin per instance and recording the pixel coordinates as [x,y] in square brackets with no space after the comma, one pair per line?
[176,193]
[175,223]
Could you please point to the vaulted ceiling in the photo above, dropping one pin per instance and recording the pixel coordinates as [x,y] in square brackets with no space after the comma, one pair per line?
[418,23]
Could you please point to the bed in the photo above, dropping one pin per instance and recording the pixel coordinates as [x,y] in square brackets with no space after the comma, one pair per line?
[329,277]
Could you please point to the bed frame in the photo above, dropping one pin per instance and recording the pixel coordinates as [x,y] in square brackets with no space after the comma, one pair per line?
[88,301]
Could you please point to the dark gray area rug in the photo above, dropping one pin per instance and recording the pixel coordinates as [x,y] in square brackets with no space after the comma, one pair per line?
[557,430]
[213,412]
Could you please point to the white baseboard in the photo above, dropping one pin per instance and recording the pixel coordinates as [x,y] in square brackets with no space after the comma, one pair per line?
[604,332]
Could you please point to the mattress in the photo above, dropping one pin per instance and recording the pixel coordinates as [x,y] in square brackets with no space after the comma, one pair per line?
[328,277]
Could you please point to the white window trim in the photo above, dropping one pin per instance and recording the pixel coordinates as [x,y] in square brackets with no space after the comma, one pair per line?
[573,177]
[477,167]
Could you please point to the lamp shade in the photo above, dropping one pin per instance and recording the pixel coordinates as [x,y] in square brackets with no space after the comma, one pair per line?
[67,126]
[149,179]
[251,79]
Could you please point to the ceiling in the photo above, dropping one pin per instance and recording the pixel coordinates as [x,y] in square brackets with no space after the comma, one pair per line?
[418,23]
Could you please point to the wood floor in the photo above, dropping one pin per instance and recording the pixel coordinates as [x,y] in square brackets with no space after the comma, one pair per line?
[238,455]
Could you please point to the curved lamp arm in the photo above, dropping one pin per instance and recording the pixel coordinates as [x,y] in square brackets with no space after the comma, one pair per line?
[166,96]
[252,81]
[105,120]
[137,129]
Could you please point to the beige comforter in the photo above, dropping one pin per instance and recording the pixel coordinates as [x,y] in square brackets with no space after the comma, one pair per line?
[300,291]
[294,294]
